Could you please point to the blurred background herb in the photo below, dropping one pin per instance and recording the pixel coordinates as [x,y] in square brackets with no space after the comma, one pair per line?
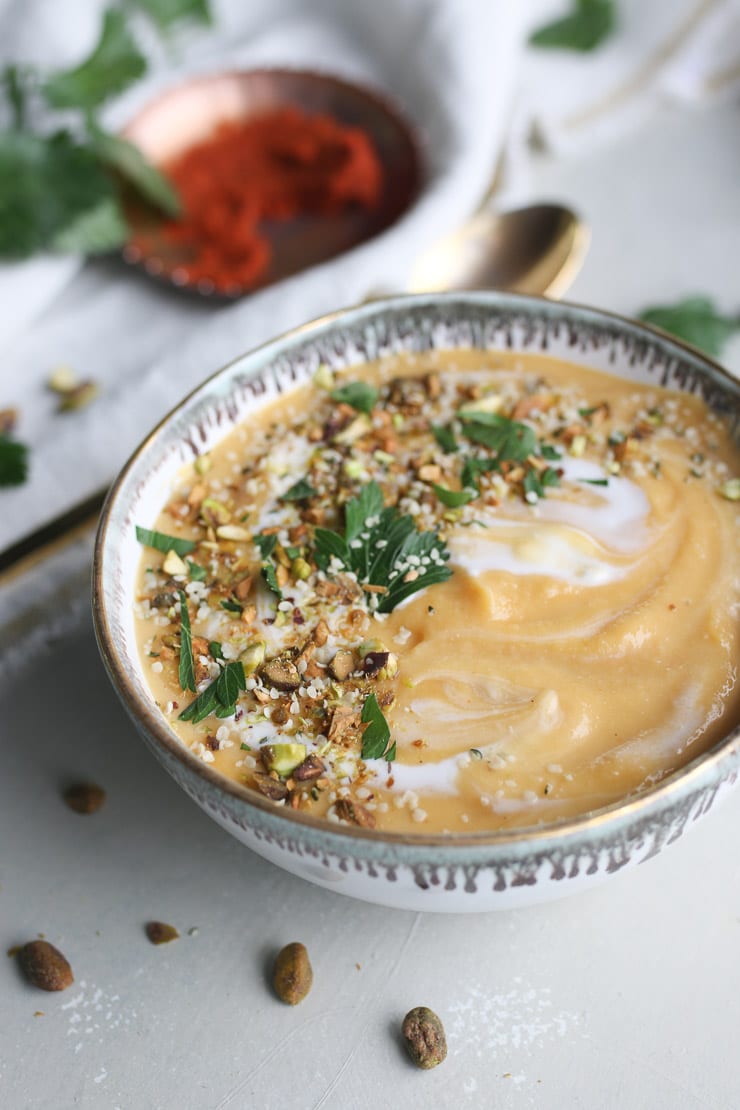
[61,189]
[585,28]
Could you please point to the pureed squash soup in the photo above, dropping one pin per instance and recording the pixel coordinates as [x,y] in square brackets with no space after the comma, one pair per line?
[457,591]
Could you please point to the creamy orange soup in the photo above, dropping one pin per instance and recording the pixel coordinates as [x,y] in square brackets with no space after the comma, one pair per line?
[452,592]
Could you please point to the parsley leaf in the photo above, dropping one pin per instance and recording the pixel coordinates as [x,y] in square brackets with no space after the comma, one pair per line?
[377,733]
[536,482]
[231,606]
[696,320]
[127,160]
[474,466]
[301,491]
[114,64]
[445,437]
[588,25]
[220,697]
[270,578]
[549,452]
[265,543]
[160,541]
[214,650]
[509,439]
[384,548]
[186,672]
[361,396]
[13,462]
[454,498]
[197,572]
[166,14]
[54,195]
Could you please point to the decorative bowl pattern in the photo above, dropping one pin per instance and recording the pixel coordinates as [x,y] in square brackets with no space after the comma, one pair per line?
[464,872]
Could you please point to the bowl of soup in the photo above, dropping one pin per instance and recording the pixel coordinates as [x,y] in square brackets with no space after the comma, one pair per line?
[434,601]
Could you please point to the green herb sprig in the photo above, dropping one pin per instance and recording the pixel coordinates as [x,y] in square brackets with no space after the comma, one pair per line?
[384,548]
[361,396]
[220,697]
[13,462]
[63,190]
[697,320]
[160,541]
[589,24]
[376,734]
[186,673]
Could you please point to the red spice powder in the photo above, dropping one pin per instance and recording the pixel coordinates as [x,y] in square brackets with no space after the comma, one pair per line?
[277,166]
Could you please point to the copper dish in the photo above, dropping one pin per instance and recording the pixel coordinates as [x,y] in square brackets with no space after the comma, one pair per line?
[188,113]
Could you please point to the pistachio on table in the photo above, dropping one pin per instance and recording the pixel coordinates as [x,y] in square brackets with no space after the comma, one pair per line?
[293,975]
[425,1039]
[44,966]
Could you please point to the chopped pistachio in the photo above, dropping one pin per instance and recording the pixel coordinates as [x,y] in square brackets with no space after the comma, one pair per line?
[300,569]
[253,657]
[353,468]
[202,464]
[492,402]
[730,489]
[283,758]
[63,380]
[578,446]
[173,564]
[323,378]
[214,512]
[357,428]
[78,397]
[233,532]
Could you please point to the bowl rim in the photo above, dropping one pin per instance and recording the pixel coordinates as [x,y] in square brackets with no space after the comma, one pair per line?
[694,775]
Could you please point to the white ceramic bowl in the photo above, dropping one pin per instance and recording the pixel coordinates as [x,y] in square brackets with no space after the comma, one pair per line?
[443,873]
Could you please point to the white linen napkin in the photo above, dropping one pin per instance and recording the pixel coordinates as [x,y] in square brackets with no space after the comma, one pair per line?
[450,64]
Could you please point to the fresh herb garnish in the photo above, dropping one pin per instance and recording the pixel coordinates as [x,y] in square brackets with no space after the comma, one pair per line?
[57,191]
[511,440]
[697,320]
[595,481]
[377,733]
[588,25]
[13,462]
[160,541]
[301,491]
[214,650]
[384,548]
[445,437]
[231,606]
[358,395]
[390,754]
[266,543]
[186,672]
[454,498]
[473,467]
[536,482]
[270,578]
[220,697]
[197,572]
[549,452]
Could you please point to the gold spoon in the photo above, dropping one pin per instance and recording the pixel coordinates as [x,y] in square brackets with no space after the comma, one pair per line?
[538,249]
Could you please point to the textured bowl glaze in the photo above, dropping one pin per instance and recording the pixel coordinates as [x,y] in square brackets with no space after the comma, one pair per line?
[441,873]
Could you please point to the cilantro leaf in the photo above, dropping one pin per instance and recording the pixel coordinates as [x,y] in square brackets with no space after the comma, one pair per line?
[127,160]
[160,541]
[270,579]
[219,696]
[454,498]
[186,673]
[588,25]
[197,572]
[114,64]
[383,548]
[302,490]
[166,14]
[54,194]
[695,319]
[511,440]
[377,733]
[361,396]
[445,437]
[265,543]
[13,462]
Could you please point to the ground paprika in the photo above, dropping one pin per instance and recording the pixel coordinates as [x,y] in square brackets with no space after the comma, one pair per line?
[277,166]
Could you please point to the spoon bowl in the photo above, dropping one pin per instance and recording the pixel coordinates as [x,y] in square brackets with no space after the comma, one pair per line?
[534,250]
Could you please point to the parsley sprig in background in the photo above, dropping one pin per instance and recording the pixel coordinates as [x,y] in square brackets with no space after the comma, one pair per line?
[61,187]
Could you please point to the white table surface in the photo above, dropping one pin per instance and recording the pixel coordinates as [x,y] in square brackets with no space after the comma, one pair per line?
[625,997]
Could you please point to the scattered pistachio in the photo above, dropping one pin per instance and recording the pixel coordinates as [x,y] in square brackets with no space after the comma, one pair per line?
[353,468]
[293,974]
[233,532]
[62,380]
[253,657]
[323,378]
[214,512]
[300,569]
[282,673]
[342,665]
[274,789]
[424,1035]
[311,768]
[356,428]
[492,402]
[44,966]
[282,758]
[160,933]
[78,397]
[8,421]
[353,813]
[84,797]
[174,565]
[578,446]
[202,464]
[730,489]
